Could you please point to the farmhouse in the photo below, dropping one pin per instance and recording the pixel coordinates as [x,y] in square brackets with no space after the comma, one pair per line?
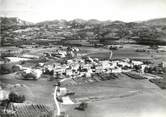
[136,62]
[163,64]
[4,94]
[29,73]
[30,56]
[15,59]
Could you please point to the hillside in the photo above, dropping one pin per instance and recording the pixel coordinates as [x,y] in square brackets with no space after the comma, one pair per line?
[15,32]
[161,21]
[13,21]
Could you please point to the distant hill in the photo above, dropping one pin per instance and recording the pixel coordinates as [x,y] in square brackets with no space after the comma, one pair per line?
[14,30]
[159,21]
[11,21]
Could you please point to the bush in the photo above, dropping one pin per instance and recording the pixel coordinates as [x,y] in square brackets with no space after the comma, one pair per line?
[16,98]
[15,68]
[140,50]
[5,69]
[7,54]
[4,103]
[159,82]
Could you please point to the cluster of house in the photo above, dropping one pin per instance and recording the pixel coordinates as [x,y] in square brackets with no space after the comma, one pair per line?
[63,52]
[87,66]
[76,66]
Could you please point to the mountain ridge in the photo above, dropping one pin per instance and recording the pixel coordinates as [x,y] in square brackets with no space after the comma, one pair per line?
[157,21]
[18,21]
[93,31]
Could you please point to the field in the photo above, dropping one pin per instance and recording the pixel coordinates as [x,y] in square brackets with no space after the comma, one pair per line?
[117,97]
[129,51]
[121,97]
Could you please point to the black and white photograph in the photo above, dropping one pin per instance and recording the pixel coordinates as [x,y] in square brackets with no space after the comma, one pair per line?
[82,58]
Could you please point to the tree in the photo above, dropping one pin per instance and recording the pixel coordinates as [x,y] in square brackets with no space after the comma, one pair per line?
[16,98]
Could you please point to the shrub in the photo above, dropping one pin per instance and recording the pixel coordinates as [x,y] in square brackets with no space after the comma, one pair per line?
[16,98]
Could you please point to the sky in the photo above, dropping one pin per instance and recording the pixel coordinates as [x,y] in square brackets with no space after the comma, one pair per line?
[124,10]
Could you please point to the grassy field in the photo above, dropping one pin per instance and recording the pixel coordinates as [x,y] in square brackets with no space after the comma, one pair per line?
[129,51]
[116,97]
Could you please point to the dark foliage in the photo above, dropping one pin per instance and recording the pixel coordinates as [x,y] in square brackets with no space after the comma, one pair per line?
[16,98]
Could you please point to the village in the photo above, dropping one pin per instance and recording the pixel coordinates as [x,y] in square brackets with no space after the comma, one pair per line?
[69,63]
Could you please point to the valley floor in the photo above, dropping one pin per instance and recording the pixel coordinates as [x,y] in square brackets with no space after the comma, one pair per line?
[122,97]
